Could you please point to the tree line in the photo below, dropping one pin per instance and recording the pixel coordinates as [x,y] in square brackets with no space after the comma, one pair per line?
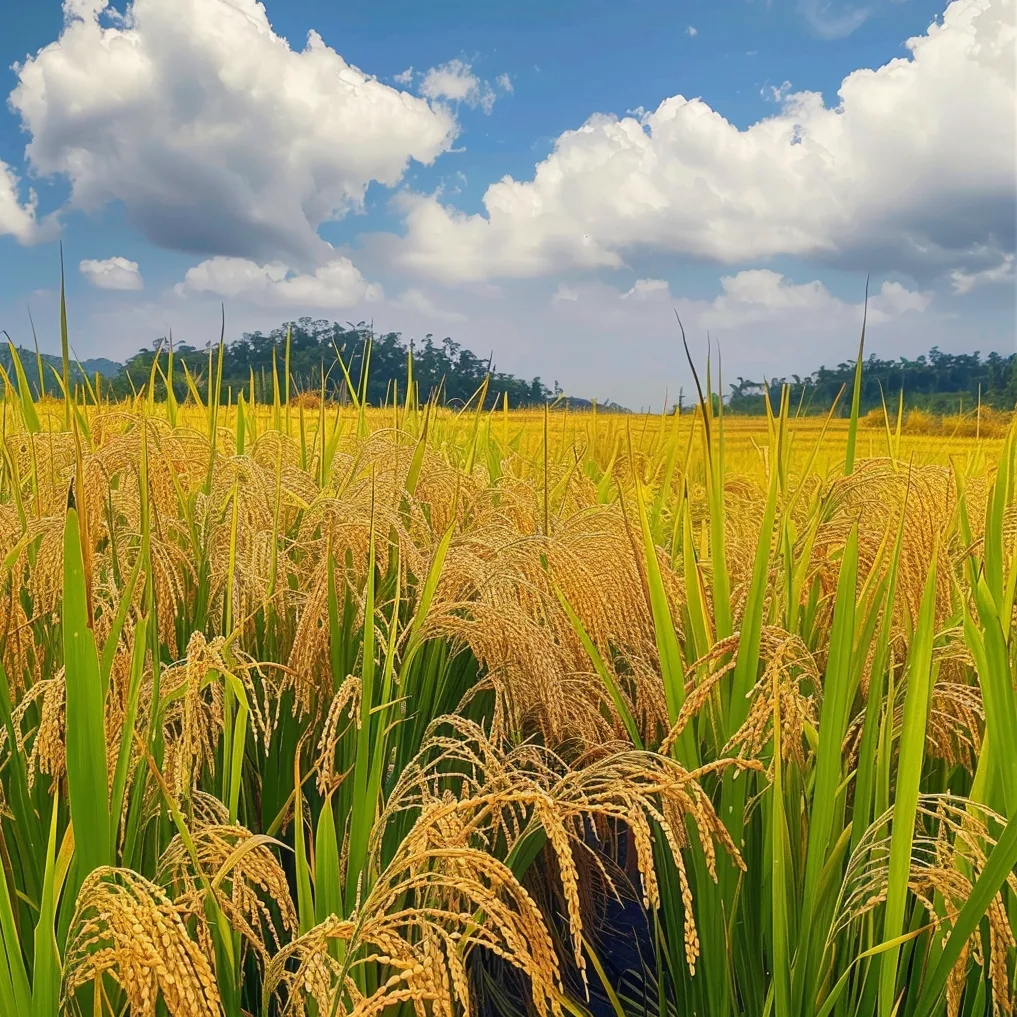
[441,369]
[939,382]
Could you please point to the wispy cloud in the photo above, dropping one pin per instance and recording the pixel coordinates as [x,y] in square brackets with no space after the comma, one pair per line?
[831,20]
[962,282]
[417,300]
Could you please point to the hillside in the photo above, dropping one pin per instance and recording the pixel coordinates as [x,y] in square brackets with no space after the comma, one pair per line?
[108,369]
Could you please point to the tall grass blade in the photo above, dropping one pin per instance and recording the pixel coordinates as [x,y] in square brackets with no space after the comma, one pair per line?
[909,773]
[28,410]
[65,353]
[87,776]
[856,393]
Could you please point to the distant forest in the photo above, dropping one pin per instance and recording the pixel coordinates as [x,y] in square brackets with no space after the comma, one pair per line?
[441,368]
[938,382]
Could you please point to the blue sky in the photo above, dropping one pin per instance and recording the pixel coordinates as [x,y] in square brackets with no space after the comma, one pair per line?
[746,163]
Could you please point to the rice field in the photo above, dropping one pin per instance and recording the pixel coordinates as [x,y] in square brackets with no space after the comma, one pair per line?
[312,709]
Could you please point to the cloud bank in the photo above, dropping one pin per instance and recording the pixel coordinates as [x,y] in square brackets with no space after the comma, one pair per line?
[334,285]
[912,170]
[216,136]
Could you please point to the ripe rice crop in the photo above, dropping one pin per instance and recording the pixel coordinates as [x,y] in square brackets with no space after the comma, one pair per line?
[309,709]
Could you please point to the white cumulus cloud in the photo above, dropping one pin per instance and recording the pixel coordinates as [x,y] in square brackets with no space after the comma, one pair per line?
[215,135]
[456,82]
[335,284]
[913,168]
[894,299]
[112,273]
[691,31]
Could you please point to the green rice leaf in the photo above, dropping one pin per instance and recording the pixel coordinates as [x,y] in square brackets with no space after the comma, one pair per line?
[87,775]
[909,774]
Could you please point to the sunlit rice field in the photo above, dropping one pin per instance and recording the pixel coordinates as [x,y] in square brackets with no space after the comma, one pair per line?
[316,709]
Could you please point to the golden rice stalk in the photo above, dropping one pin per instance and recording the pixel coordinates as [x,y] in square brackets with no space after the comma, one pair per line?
[344,711]
[126,928]
[786,658]
[789,664]
[47,753]
[539,692]
[956,723]
[241,869]
[426,913]
[19,658]
[192,691]
[269,498]
[499,795]
[875,496]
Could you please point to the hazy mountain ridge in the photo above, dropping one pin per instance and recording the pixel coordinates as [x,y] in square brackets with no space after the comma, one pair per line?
[108,369]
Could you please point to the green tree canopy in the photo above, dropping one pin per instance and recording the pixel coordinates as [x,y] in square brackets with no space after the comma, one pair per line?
[937,381]
[442,368]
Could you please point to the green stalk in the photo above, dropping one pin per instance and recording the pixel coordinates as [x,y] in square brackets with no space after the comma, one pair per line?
[130,716]
[305,899]
[827,799]
[65,353]
[747,661]
[15,990]
[364,810]
[24,393]
[41,374]
[671,667]
[909,775]
[856,394]
[46,973]
[995,678]
[327,888]
[286,375]
[778,874]
[87,776]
